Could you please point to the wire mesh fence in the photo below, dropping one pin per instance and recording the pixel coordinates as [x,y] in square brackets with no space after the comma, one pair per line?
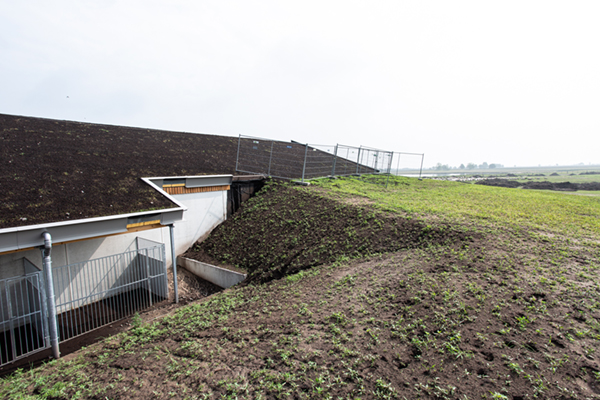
[295,160]
[407,164]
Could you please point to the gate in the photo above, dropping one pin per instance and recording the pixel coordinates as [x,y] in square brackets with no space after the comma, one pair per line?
[88,295]
[98,292]
[22,328]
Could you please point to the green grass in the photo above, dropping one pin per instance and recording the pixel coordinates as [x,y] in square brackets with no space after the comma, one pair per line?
[491,206]
[417,323]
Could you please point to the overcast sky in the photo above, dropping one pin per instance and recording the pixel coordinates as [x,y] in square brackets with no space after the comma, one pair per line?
[511,82]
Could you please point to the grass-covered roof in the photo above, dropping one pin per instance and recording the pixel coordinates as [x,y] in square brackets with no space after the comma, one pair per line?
[53,171]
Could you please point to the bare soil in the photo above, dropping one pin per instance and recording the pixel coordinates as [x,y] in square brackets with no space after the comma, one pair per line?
[286,230]
[344,301]
[545,185]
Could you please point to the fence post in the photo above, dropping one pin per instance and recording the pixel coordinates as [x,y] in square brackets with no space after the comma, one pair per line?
[11,322]
[174,263]
[358,159]
[421,170]
[270,158]
[389,169]
[398,165]
[237,158]
[304,165]
[334,160]
[147,275]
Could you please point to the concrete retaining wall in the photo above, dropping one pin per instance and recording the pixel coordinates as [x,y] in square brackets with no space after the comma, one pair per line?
[219,276]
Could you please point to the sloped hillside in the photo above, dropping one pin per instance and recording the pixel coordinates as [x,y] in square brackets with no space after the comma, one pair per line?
[286,229]
[489,304]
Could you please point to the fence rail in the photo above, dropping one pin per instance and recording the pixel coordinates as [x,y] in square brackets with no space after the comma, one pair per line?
[295,160]
[88,295]
[98,292]
[22,328]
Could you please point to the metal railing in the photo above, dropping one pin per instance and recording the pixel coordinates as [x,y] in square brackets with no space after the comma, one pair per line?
[88,295]
[22,316]
[98,292]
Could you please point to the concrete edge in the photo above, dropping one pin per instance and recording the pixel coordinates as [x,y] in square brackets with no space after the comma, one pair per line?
[219,276]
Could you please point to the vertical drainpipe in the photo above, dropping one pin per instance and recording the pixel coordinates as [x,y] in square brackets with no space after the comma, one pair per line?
[174,262]
[50,299]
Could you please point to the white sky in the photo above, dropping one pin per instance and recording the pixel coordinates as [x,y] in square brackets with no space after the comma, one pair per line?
[511,82]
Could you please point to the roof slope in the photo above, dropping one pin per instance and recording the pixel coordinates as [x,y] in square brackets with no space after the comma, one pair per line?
[52,171]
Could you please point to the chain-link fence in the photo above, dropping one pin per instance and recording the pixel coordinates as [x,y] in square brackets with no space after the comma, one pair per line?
[293,160]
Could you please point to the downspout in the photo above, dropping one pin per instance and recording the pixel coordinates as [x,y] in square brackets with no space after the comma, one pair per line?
[50,299]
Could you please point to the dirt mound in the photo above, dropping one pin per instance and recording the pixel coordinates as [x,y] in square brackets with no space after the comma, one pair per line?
[544,185]
[286,229]
[499,182]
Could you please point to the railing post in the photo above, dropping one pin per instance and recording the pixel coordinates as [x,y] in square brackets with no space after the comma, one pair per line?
[270,158]
[237,158]
[11,320]
[147,275]
[389,169]
[398,165]
[174,263]
[304,164]
[421,170]
[358,159]
[334,160]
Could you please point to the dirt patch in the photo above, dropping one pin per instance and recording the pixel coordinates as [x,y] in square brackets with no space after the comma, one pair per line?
[286,229]
[190,288]
[545,185]
[431,323]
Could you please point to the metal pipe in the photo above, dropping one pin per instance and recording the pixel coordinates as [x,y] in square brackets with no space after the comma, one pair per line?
[421,170]
[174,262]
[51,301]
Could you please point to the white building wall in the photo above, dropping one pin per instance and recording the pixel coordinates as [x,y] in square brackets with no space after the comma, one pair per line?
[204,212]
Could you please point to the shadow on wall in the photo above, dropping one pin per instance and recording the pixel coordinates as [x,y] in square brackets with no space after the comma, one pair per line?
[242,188]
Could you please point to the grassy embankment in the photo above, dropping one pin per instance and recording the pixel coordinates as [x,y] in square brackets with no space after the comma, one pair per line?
[508,310]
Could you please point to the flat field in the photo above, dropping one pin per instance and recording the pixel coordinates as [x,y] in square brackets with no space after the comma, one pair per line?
[424,289]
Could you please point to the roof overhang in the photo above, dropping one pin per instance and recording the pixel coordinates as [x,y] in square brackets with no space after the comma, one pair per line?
[27,237]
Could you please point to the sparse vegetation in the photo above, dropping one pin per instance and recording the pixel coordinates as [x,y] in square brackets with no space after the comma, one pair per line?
[498,299]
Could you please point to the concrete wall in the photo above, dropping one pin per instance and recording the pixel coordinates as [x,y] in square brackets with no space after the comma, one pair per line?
[219,276]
